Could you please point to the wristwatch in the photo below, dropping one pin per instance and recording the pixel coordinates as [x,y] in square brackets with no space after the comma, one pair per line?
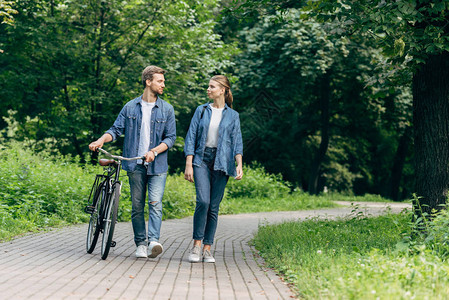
[155,153]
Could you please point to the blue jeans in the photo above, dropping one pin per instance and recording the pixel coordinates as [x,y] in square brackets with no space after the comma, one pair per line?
[210,186]
[139,182]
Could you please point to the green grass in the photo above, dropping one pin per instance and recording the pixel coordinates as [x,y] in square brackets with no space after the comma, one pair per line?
[358,258]
[291,202]
[352,198]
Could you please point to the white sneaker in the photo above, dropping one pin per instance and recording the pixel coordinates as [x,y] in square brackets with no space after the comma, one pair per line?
[154,249]
[207,257]
[141,251]
[194,255]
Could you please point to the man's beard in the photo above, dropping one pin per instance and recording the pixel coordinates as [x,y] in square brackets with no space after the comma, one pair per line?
[156,93]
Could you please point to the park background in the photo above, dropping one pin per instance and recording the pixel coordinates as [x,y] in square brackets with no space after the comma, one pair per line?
[337,100]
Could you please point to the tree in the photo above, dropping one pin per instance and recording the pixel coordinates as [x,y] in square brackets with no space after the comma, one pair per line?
[69,66]
[414,32]
[301,89]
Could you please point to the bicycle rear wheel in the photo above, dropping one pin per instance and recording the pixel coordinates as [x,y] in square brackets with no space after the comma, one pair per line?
[110,218]
[93,231]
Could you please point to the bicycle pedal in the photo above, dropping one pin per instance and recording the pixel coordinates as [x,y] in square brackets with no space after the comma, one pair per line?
[89,209]
[113,243]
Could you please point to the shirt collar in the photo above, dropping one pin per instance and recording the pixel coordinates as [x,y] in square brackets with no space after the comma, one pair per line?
[157,103]
[210,103]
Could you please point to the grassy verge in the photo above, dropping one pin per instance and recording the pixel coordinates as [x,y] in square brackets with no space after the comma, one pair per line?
[358,258]
[352,198]
[291,202]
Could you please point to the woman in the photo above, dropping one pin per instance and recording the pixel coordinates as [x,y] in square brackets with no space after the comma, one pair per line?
[213,145]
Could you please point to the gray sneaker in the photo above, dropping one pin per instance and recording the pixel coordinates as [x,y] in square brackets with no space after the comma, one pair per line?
[194,255]
[207,257]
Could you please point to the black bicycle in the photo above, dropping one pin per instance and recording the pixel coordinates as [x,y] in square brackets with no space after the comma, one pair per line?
[103,203]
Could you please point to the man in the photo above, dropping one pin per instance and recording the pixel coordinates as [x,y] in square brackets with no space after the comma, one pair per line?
[148,123]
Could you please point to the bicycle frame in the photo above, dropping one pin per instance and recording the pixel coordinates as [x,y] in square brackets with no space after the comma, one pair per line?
[106,189]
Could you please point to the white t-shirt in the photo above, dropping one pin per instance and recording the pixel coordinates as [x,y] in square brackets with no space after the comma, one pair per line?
[145,128]
[212,134]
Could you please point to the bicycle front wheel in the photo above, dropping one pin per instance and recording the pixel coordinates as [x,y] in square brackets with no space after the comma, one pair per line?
[110,218]
[94,223]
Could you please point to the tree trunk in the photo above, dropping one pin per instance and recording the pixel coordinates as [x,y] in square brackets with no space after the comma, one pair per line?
[431,131]
[324,144]
[398,164]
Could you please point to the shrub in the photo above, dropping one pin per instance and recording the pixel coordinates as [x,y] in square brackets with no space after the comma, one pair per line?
[257,183]
[179,197]
[33,185]
[44,189]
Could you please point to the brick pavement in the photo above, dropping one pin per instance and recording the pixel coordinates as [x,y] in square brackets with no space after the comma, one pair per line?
[55,265]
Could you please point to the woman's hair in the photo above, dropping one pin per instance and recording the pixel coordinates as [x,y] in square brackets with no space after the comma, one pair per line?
[224,82]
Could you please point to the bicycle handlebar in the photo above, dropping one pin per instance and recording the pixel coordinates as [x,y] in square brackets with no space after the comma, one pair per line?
[118,157]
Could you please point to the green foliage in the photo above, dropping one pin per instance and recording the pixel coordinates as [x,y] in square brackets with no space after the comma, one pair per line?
[285,60]
[80,61]
[407,30]
[354,258]
[6,13]
[295,201]
[257,184]
[387,257]
[437,238]
[351,198]
[39,190]
[179,197]
[69,66]
[428,234]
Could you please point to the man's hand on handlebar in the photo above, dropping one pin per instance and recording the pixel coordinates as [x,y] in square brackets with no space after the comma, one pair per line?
[95,145]
[149,156]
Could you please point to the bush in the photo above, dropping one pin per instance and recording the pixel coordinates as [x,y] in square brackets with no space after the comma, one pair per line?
[428,235]
[39,190]
[179,197]
[257,184]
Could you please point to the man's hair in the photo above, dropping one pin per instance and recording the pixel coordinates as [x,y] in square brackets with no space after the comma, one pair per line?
[148,73]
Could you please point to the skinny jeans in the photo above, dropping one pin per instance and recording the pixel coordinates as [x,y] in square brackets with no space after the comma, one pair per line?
[210,185]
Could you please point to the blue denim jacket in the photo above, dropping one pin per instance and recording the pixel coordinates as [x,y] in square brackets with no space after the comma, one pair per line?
[163,130]
[229,138]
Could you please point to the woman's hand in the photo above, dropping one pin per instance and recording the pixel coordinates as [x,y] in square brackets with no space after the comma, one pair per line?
[239,172]
[188,173]
[239,169]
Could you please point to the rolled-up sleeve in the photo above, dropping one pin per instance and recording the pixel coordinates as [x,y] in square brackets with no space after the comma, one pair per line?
[190,141]
[118,128]
[170,129]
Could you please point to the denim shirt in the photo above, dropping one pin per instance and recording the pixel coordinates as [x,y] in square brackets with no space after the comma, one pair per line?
[162,130]
[229,138]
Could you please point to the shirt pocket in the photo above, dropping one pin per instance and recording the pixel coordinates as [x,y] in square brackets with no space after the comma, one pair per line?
[131,121]
[160,127]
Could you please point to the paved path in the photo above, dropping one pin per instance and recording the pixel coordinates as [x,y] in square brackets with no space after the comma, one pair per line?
[55,265]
